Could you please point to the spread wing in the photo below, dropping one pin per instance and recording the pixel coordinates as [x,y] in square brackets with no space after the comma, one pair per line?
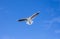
[24,19]
[34,15]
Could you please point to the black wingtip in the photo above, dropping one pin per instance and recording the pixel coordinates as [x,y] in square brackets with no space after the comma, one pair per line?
[37,13]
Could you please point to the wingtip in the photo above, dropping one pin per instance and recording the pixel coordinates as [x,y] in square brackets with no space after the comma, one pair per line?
[38,12]
[17,20]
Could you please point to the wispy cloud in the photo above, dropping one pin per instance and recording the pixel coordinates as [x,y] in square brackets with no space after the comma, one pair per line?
[48,23]
[56,19]
[57,31]
[1,8]
[7,37]
[55,0]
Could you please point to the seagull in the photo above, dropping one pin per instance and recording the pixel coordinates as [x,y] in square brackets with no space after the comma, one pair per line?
[29,19]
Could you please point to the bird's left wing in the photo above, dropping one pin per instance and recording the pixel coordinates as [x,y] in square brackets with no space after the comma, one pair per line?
[23,19]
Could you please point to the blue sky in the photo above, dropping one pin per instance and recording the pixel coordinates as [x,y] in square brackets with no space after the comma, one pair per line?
[45,26]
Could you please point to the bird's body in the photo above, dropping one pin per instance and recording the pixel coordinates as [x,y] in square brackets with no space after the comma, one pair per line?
[29,20]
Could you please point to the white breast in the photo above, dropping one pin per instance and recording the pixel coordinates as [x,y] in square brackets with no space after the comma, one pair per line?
[29,22]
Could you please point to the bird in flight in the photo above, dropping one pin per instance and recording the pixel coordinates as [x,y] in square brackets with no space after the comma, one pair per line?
[29,19]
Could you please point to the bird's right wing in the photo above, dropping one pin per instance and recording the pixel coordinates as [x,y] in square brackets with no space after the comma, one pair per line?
[23,19]
[34,15]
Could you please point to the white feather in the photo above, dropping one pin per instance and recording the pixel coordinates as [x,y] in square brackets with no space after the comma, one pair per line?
[29,22]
